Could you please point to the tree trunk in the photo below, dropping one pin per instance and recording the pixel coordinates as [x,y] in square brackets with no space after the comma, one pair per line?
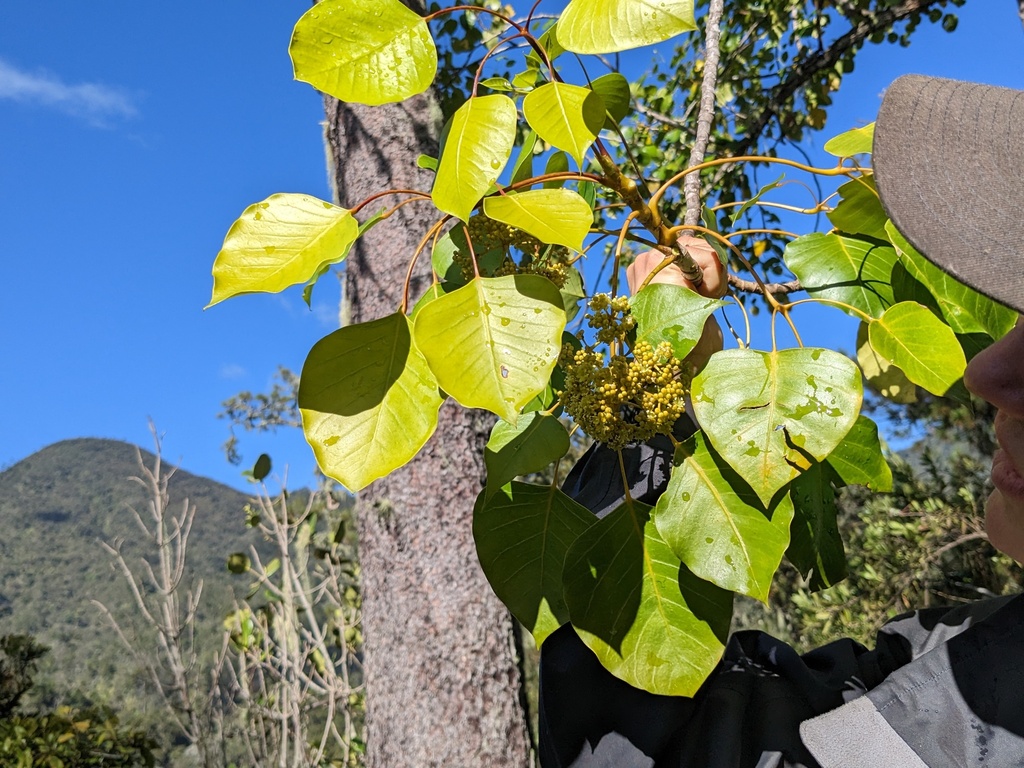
[442,678]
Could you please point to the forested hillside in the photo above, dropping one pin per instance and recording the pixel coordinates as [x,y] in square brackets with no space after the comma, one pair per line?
[56,507]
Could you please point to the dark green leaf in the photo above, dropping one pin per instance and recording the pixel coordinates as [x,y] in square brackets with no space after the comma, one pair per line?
[535,441]
[522,535]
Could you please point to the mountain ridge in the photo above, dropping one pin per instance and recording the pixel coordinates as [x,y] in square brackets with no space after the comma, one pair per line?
[56,506]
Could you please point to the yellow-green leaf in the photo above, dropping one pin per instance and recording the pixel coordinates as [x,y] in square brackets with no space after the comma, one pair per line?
[881,375]
[851,143]
[477,147]
[493,343]
[528,446]
[555,216]
[715,524]
[283,241]
[771,414]
[368,400]
[568,117]
[364,51]
[910,337]
[606,26]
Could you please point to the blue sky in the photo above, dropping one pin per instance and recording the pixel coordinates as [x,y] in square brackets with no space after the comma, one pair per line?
[132,135]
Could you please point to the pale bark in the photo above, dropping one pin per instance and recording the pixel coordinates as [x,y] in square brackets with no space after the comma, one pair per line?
[443,685]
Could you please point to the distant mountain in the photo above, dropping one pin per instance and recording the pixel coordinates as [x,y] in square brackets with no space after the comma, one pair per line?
[56,507]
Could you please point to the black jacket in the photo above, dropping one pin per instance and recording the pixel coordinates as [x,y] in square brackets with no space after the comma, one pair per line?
[942,687]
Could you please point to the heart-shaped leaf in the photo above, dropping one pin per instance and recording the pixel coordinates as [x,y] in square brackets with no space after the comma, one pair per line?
[477,145]
[368,400]
[522,535]
[647,618]
[555,216]
[282,241]
[847,269]
[771,414]
[914,340]
[494,342]
[535,441]
[671,313]
[364,51]
[613,89]
[607,26]
[568,117]
[715,524]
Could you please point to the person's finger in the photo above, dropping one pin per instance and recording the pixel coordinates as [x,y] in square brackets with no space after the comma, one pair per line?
[645,263]
[714,284]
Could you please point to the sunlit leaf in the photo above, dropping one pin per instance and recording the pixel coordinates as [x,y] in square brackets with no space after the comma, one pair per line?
[715,523]
[283,241]
[816,548]
[606,26]
[771,414]
[963,308]
[568,117]
[859,211]
[364,51]
[368,400]
[493,343]
[535,441]
[846,269]
[556,216]
[671,313]
[645,616]
[881,375]
[477,146]
[914,340]
[522,535]
[858,459]
[613,89]
[851,143]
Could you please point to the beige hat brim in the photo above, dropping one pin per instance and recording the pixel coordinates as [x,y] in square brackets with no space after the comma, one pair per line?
[948,158]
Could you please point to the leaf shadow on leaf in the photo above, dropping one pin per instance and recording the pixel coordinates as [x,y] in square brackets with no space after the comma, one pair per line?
[610,620]
[745,490]
[708,602]
[880,288]
[392,347]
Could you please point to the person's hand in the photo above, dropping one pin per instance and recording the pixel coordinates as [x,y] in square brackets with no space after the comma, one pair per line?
[714,286]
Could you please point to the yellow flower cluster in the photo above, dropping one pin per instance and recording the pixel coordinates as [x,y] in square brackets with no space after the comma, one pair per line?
[610,317]
[538,258]
[620,398]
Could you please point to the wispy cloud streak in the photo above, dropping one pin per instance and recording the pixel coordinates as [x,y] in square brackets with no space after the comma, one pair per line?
[97,104]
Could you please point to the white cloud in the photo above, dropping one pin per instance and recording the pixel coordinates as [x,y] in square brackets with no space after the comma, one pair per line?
[232,371]
[97,104]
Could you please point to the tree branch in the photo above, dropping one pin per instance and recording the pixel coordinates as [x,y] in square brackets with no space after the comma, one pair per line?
[712,35]
[805,70]
[749,286]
